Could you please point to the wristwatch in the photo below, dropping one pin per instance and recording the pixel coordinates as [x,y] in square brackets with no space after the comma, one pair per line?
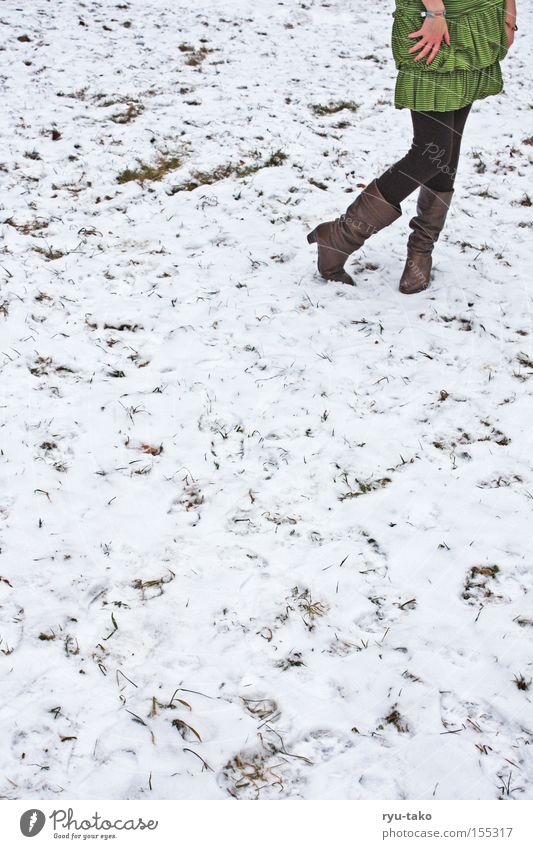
[433,14]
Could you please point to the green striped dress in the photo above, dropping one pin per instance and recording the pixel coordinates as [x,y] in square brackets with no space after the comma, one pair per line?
[467,70]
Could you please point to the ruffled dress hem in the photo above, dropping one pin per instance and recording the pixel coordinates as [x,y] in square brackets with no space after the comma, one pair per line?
[466,70]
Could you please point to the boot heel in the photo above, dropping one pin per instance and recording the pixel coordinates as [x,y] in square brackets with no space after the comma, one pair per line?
[311,237]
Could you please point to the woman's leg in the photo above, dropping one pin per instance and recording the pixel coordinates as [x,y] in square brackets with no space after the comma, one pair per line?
[430,153]
[444,180]
[434,199]
[436,145]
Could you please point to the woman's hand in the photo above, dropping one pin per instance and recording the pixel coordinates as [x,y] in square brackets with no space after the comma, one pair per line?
[510,20]
[431,33]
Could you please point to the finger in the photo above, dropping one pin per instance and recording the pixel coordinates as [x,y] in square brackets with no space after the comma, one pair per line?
[414,34]
[418,45]
[424,52]
[447,38]
[433,53]
[428,49]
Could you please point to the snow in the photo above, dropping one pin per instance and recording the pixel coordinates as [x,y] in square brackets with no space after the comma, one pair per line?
[249,520]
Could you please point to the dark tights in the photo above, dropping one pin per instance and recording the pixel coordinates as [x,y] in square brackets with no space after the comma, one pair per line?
[433,157]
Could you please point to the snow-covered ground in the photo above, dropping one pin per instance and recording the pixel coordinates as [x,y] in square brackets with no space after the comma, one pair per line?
[261,536]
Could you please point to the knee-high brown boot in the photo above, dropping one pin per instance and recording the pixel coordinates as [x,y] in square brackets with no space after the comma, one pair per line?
[432,209]
[337,239]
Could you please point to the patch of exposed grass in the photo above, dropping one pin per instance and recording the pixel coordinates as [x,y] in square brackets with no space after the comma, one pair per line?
[48,446]
[132,111]
[153,587]
[247,777]
[318,184]
[186,731]
[487,571]
[495,435]
[477,583]
[49,252]
[260,708]
[293,659]
[527,364]
[277,519]
[45,365]
[221,172]
[524,622]
[71,645]
[486,194]
[106,100]
[29,227]
[500,481]
[364,487]
[164,164]
[395,718]
[122,326]
[333,108]
[195,55]
[310,610]
[75,95]
[480,165]
[521,682]
[192,497]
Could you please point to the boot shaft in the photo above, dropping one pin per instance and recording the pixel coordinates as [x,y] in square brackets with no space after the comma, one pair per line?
[431,211]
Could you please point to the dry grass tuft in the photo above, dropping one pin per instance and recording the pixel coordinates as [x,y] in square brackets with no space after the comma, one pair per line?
[151,173]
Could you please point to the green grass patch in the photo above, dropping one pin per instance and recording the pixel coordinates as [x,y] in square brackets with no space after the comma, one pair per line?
[145,172]
[333,108]
[221,172]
